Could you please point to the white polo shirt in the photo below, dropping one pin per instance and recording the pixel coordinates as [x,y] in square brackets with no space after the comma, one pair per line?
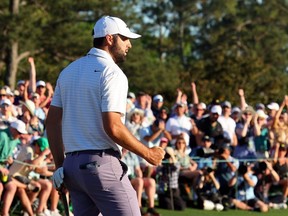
[87,87]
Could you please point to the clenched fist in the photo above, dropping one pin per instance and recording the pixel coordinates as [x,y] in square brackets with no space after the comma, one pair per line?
[155,156]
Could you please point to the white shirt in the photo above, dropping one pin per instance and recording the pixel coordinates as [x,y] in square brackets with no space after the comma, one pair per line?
[228,125]
[87,87]
[179,124]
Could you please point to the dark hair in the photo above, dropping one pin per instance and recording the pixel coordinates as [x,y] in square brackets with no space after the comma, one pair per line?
[98,42]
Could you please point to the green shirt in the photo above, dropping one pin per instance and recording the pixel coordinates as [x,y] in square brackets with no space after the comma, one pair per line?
[7,145]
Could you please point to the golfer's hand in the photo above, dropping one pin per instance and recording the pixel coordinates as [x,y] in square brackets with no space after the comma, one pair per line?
[58,177]
[155,156]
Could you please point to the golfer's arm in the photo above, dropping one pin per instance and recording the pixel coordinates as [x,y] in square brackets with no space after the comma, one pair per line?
[117,131]
[54,133]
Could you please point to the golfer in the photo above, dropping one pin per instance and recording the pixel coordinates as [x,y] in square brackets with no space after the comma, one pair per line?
[85,123]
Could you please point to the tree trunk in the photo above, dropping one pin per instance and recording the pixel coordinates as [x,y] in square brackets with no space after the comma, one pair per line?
[12,54]
[12,65]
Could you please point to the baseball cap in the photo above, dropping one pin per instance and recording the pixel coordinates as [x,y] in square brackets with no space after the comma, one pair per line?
[260,106]
[42,143]
[180,104]
[206,138]
[5,101]
[35,95]
[273,106]
[20,82]
[203,105]
[261,114]
[131,95]
[216,109]
[40,83]
[112,25]
[164,139]
[158,98]
[236,110]
[226,104]
[19,126]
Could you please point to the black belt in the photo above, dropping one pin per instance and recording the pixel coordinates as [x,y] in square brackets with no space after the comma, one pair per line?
[102,152]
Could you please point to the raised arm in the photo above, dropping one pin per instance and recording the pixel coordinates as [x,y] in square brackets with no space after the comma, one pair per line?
[32,75]
[195,99]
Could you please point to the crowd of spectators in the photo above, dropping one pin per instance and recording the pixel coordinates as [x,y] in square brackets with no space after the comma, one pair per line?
[26,163]
[218,155]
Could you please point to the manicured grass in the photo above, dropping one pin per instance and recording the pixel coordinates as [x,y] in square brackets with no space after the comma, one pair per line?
[197,212]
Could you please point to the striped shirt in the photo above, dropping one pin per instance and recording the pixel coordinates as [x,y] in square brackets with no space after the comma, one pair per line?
[87,87]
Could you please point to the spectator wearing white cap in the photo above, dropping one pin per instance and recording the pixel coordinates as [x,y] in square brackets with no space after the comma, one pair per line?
[236,114]
[45,91]
[20,88]
[198,113]
[228,124]
[6,116]
[209,126]
[9,139]
[261,139]
[273,107]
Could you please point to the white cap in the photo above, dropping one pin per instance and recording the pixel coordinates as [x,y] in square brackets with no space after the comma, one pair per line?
[158,98]
[236,109]
[5,101]
[203,105]
[261,114]
[216,109]
[34,94]
[273,106]
[112,25]
[131,95]
[40,83]
[19,126]
[20,82]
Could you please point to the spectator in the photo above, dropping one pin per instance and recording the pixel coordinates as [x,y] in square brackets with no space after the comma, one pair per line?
[33,156]
[188,167]
[151,136]
[168,175]
[245,198]
[143,101]
[261,139]
[180,125]
[20,92]
[280,165]
[236,114]
[226,168]
[6,116]
[211,127]
[207,191]
[157,104]
[134,121]
[164,114]
[228,124]
[197,115]
[139,182]
[245,131]
[280,125]
[131,99]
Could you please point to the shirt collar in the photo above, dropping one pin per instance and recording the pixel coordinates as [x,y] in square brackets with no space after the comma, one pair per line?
[100,53]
